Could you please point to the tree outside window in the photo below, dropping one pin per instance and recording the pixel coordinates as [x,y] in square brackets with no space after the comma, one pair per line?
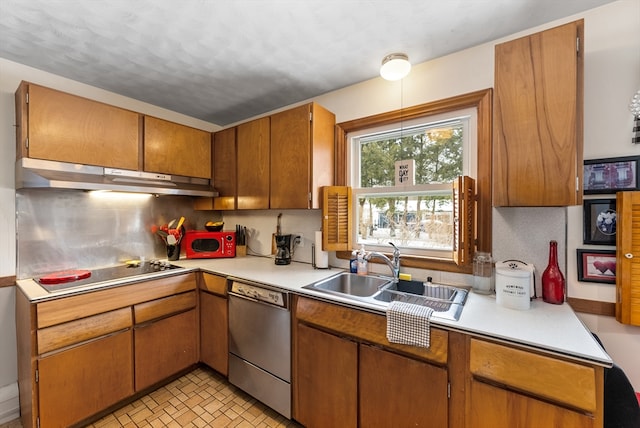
[415,216]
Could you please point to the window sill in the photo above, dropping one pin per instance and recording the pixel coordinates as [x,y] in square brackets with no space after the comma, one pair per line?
[420,263]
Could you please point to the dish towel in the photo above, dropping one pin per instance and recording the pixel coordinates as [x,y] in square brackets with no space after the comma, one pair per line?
[408,324]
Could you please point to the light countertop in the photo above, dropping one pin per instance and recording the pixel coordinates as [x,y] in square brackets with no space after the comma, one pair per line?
[551,328]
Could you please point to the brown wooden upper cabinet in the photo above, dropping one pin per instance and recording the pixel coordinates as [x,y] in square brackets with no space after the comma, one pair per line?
[172,148]
[302,156]
[537,143]
[253,143]
[275,162]
[57,126]
[225,179]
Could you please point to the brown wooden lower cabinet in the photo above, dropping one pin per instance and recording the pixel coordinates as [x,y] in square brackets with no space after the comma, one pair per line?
[344,364]
[165,347]
[325,380]
[77,383]
[75,361]
[348,375]
[78,355]
[512,387]
[398,391]
[214,336]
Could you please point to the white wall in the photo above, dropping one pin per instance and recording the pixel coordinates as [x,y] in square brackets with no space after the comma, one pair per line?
[612,76]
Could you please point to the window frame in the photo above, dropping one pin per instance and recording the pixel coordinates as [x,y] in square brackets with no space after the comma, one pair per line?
[482,101]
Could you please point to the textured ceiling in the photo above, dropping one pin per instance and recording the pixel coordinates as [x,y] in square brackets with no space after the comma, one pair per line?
[223,61]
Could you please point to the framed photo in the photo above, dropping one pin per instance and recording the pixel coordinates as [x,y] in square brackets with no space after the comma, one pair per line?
[600,221]
[611,175]
[597,266]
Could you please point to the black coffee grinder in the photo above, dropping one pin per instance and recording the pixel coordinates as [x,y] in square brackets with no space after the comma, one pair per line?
[283,249]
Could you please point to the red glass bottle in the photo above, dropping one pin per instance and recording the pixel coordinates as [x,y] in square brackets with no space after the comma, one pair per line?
[552,278]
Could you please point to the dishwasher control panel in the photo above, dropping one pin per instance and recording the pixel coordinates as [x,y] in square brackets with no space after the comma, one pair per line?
[267,295]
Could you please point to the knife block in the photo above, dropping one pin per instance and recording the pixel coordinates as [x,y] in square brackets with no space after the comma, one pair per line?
[241,250]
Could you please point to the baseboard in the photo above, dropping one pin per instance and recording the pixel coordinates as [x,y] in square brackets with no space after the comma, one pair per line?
[9,403]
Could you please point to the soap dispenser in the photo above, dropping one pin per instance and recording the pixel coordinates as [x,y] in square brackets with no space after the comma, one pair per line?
[363,268]
[353,262]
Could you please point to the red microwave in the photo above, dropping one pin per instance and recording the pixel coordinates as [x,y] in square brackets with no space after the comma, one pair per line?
[200,244]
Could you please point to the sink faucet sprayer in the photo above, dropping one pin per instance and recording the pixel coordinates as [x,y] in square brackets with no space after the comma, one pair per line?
[393,265]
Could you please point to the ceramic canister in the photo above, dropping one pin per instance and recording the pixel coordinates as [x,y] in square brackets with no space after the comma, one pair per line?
[514,282]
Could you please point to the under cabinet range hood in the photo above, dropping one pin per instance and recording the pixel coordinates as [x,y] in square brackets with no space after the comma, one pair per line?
[39,173]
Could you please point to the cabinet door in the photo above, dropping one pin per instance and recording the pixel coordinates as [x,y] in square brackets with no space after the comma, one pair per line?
[164,347]
[325,385]
[79,382]
[627,260]
[253,145]
[171,148]
[398,391]
[224,169]
[302,156]
[538,119]
[67,128]
[492,407]
[291,158]
[214,336]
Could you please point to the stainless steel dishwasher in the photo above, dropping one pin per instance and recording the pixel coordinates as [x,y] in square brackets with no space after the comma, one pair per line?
[260,343]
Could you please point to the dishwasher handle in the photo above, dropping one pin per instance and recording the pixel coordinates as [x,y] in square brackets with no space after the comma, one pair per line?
[259,294]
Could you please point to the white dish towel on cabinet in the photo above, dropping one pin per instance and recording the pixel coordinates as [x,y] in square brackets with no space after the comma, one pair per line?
[408,324]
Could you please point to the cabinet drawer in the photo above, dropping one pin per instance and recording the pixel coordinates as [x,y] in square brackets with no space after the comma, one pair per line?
[561,381]
[83,305]
[214,284]
[162,307]
[59,336]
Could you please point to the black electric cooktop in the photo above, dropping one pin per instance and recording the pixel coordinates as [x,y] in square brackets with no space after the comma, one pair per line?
[79,277]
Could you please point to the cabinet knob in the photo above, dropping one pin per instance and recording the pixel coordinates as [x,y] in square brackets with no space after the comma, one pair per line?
[629,255]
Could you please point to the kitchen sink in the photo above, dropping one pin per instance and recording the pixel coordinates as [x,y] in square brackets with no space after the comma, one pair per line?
[447,302]
[351,284]
[439,292]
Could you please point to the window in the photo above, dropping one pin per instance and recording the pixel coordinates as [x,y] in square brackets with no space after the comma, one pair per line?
[401,181]
[438,141]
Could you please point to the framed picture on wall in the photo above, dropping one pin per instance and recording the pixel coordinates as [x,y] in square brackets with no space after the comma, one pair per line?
[600,221]
[610,175]
[597,266]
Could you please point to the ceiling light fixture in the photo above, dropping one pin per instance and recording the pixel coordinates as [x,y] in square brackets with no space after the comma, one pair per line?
[395,66]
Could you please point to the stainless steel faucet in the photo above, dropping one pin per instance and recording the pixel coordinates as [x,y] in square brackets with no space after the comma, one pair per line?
[393,265]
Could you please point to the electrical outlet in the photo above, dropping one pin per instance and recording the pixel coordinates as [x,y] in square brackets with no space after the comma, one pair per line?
[300,240]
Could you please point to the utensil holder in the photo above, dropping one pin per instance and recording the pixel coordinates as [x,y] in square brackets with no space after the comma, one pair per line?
[173,252]
[241,250]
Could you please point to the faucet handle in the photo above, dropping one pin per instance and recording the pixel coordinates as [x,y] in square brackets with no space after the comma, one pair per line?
[396,251]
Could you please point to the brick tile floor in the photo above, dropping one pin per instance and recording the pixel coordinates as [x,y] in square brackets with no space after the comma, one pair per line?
[201,398]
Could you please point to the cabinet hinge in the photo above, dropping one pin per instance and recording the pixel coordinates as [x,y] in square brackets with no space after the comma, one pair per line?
[578,44]
[577,183]
[26,143]
[37,375]
[310,116]
[38,422]
[26,98]
[309,196]
[448,389]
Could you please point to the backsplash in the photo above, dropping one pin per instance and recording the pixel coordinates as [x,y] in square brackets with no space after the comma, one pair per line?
[71,229]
